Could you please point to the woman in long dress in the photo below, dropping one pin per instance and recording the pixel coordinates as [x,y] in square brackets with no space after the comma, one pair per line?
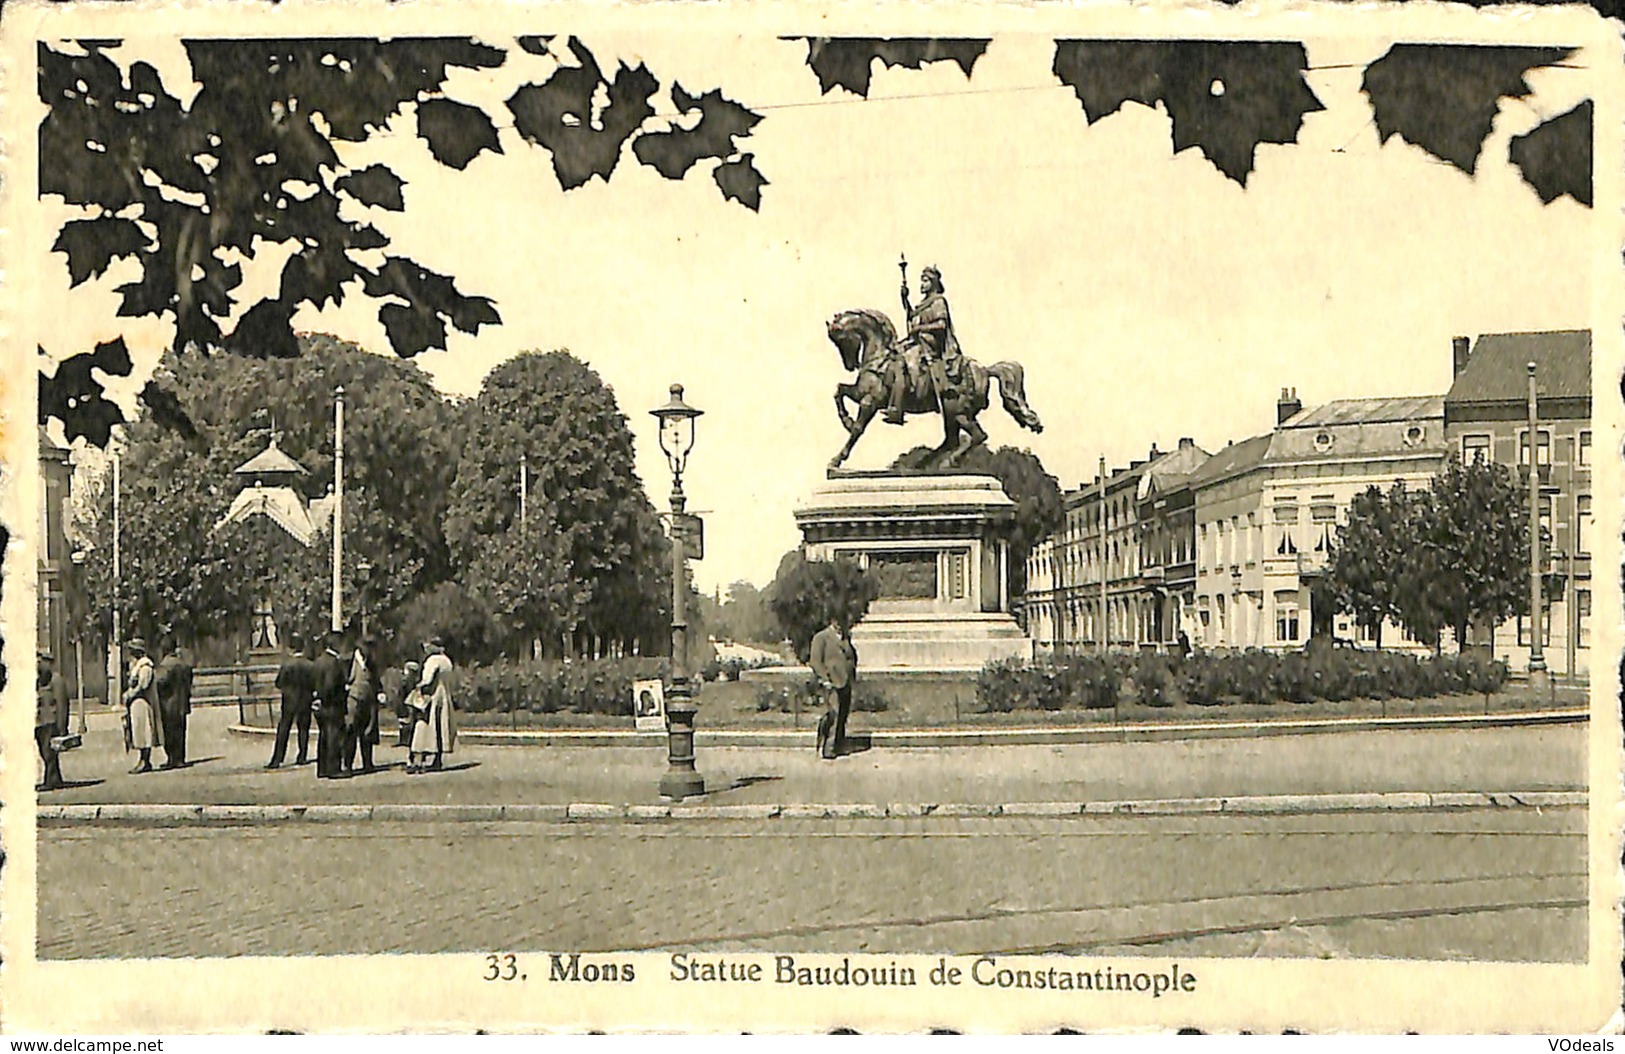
[435,734]
[141,707]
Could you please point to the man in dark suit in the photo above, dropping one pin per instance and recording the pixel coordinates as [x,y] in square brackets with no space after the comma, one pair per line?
[330,709]
[835,663]
[174,699]
[296,680]
[51,721]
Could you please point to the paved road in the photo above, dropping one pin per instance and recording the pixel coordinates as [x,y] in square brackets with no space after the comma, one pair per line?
[229,770]
[1473,885]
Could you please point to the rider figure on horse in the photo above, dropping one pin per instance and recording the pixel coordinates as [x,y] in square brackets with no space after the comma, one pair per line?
[930,341]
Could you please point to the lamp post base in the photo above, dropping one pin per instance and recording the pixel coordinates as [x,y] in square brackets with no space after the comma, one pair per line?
[681,780]
[1540,679]
[678,785]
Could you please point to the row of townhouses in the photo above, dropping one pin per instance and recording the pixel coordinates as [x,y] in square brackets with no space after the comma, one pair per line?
[1231,547]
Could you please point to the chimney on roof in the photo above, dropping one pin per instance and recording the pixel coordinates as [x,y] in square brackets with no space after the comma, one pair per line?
[1287,405]
[1154,452]
[1461,349]
[1186,442]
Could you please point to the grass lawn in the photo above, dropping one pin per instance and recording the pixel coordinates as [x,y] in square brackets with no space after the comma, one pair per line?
[952,704]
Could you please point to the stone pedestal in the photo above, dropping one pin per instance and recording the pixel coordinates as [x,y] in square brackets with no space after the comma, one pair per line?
[935,543]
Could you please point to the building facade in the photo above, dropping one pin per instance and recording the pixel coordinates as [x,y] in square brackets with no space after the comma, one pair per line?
[1486,418]
[1084,581]
[1317,462]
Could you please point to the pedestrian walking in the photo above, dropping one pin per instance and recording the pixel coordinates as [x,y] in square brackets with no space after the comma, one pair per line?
[1184,645]
[331,702]
[170,680]
[361,712]
[407,703]
[142,729]
[835,663]
[296,680]
[50,721]
[435,733]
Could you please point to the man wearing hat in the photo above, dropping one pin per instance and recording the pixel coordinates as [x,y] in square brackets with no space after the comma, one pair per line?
[172,678]
[930,340]
[330,709]
[51,720]
[141,707]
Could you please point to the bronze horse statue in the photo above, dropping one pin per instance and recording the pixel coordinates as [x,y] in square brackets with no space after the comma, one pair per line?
[868,344]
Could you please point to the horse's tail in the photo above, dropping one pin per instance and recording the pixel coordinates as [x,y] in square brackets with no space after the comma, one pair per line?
[1013,393]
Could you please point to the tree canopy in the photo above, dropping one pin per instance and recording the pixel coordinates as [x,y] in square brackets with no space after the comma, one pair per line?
[178,481]
[1451,556]
[806,594]
[591,545]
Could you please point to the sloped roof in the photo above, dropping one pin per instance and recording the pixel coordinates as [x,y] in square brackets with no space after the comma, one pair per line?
[1237,457]
[280,504]
[270,462]
[1367,411]
[1497,368]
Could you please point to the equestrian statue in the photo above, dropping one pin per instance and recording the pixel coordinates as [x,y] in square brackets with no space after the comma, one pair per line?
[923,373]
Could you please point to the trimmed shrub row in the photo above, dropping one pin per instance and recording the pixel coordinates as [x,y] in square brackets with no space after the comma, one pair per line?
[1256,677]
[867,697]
[598,686]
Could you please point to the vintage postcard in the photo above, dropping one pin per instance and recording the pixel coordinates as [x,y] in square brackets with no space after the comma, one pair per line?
[794,517]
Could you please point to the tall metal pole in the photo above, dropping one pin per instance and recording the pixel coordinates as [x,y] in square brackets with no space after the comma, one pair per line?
[1105,621]
[338,508]
[1537,660]
[118,632]
[681,780]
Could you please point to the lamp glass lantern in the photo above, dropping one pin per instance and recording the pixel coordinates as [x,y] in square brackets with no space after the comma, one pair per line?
[677,420]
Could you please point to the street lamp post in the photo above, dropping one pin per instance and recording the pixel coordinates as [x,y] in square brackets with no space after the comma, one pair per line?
[338,508]
[1537,659]
[681,779]
[117,694]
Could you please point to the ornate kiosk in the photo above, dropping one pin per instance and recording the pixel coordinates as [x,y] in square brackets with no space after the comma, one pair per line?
[935,544]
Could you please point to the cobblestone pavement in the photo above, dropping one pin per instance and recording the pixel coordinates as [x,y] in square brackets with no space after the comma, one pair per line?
[228,770]
[1479,885]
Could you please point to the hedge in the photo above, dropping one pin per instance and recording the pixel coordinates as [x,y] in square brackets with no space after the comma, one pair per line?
[867,697]
[595,686]
[1256,677]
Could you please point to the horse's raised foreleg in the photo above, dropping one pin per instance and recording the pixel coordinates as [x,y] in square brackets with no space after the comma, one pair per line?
[843,392]
[854,431]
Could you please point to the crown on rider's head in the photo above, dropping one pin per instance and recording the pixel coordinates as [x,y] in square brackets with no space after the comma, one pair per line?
[931,272]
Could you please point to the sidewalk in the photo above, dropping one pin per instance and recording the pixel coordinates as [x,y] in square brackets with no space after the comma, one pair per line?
[1411,767]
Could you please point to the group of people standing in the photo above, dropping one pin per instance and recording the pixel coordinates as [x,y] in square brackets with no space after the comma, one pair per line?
[340,687]
[157,703]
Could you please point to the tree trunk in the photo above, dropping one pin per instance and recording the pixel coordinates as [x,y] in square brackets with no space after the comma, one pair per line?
[1376,631]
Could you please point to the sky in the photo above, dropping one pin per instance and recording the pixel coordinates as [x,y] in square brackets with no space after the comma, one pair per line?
[1148,296]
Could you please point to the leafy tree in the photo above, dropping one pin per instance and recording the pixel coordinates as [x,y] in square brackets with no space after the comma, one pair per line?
[400,438]
[807,593]
[1477,538]
[470,632]
[1364,573]
[1450,556]
[606,565]
[747,615]
[1037,494]
[525,577]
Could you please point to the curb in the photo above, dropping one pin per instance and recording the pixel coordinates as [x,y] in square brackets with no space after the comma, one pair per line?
[987,737]
[591,812]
